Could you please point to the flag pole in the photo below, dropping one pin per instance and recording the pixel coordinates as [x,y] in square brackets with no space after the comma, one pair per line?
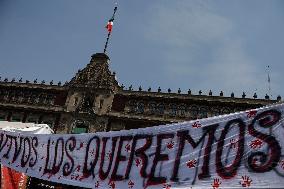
[109,32]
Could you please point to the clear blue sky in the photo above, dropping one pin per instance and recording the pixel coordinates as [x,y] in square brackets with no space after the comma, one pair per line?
[201,45]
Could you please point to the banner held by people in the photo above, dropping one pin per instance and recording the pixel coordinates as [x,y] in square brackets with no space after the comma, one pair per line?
[242,149]
[11,179]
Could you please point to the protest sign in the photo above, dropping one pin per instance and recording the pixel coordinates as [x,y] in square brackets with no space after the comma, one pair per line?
[238,150]
[11,179]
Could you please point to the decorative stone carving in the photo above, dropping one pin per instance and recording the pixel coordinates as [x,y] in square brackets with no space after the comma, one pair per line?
[96,74]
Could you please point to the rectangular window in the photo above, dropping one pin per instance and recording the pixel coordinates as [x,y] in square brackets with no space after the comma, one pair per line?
[79,130]
[2,117]
[16,118]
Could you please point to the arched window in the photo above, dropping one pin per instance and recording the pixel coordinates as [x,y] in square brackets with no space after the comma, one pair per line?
[132,106]
[51,100]
[215,111]
[173,109]
[161,109]
[203,112]
[225,111]
[140,107]
[182,110]
[13,97]
[194,112]
[36,101]
[152,107]
[5,95]
[33,98]
[42,98]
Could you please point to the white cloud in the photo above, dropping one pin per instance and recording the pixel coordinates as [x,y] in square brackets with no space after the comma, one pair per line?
[200,41]
[233,68]
[184,23]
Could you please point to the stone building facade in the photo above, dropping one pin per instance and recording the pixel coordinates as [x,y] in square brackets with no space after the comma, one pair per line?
[94,101]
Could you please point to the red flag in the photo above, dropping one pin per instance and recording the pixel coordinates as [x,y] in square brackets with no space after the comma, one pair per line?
[11,179]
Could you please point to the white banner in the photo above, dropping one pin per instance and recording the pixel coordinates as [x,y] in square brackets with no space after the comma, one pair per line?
[11,179]
[239,150]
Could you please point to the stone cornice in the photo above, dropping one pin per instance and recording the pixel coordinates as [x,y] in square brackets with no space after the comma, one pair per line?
[188,97]
[58,109]
[33,86]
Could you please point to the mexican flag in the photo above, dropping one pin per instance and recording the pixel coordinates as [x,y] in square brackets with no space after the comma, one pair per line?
[109,25]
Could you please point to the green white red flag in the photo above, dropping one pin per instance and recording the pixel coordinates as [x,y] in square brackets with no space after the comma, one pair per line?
[109,25]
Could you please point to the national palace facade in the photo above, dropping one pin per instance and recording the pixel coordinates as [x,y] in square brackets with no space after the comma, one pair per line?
[93,101]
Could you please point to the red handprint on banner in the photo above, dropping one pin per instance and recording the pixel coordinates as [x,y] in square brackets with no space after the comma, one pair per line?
[127,148]
[167,186]
[234,143]
[138,162]
[112,185]
[77,177]
[108,155]
[251,113]
[81,146]
[256,144]
[191,163]
[196,124]
[72,176]
[246,181]
[281,163]
[97,184]
[170,145]
[130,184]
[78,168]
[93,152]
[216,183]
